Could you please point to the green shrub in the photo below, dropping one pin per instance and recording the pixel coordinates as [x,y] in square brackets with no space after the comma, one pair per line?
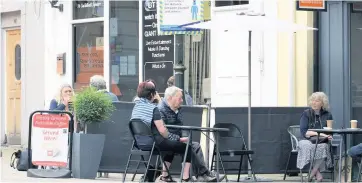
[92,106]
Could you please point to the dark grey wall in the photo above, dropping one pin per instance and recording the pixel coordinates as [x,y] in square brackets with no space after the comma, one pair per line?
[270,139]
[334,59]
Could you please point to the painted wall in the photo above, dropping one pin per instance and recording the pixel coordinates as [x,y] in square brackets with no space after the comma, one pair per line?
[295,57]
[229,62]
[33,77]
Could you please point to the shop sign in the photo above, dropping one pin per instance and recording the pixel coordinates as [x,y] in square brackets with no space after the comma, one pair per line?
[312,5]
[49,140]
[158,50]
[173,15]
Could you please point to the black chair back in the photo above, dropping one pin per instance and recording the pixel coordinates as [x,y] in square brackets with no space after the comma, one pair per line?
[231,138]
[142,134]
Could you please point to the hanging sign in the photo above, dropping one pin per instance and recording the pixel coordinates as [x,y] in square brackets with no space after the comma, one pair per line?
[49,140]
[312,5]
[173,15]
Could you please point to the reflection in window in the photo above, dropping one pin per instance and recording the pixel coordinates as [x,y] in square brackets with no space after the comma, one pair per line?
[123,32]
[17,62]
[88,44]
[88,9]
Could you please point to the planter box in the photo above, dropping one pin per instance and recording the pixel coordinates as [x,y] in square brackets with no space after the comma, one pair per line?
[86,155]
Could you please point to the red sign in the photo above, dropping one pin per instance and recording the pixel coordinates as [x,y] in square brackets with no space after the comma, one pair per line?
[49,140]
[311,5]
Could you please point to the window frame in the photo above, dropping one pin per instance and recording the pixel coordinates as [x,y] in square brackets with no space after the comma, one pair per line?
[106,54]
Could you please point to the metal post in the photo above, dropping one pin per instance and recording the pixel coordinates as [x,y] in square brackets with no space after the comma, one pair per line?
[249,99]
[179,66]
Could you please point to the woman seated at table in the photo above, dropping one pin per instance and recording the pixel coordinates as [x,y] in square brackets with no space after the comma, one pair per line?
[315,118]
[145,110]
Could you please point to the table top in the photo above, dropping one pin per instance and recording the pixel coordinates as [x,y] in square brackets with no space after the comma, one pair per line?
[339,131]
[197,128]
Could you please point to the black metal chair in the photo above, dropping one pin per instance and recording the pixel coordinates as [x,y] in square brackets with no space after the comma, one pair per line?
[143,145]
[234,134]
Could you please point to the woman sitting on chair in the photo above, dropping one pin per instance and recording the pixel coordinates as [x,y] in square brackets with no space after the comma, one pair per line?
[315,118]
[147,111]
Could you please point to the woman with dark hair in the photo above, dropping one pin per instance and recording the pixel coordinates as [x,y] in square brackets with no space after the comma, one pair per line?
[146,111]
[157,96]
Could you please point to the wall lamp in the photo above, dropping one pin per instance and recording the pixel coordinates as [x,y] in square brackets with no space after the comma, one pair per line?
[53,5]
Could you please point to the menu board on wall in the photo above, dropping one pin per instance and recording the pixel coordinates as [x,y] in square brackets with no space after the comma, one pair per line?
[157,49]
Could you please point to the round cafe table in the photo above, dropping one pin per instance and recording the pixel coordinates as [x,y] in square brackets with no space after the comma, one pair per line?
[343,133]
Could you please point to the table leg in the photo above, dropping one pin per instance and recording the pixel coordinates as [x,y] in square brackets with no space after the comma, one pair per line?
[315,150]
[217,156]
[340,159]
[345,157]
[184,160]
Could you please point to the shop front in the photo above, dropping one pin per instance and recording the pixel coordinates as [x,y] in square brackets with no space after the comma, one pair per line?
[340,42]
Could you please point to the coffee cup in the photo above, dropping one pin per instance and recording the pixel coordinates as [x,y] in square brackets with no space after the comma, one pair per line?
[330,124]
[354,123]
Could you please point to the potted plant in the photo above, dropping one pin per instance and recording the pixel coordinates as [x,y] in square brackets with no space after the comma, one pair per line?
[90,107]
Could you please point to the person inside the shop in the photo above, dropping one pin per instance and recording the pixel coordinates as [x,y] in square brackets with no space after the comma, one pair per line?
[148,112]
[315,118]
[171,113]
[98,82]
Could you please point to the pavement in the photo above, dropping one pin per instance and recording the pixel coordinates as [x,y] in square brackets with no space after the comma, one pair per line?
[9,174]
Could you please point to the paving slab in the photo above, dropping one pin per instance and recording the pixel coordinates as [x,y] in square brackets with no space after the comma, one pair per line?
[9,174]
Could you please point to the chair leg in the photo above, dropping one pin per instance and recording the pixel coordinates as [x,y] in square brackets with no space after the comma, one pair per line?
[359,171]
[156,167]
[212,160]
[251,168]
[138,166]
[223,168]
[148,162]
[125,171]
[301,175]
[240,163]
[164,164]
[287,167]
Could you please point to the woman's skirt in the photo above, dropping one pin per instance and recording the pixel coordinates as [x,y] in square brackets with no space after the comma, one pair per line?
[305,154]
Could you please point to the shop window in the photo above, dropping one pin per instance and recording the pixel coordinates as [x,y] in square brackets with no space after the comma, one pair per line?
[89,51]
[88,9]
[219,3]
[124,48]
[17,62]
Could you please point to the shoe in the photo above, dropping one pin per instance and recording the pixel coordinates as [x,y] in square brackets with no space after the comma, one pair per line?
[221,177]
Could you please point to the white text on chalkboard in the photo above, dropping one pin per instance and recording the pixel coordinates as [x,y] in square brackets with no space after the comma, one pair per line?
[158,66]
[150,33]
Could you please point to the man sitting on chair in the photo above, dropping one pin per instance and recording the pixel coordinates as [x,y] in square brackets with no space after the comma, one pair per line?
[171,113]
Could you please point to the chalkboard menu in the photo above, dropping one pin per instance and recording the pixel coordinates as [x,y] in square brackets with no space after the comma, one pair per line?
[158,51]
[160,72]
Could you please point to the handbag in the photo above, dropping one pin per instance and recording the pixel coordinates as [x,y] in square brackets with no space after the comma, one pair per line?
[320,140]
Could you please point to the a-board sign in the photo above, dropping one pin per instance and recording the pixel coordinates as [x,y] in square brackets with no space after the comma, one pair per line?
[49,139]
[160,72]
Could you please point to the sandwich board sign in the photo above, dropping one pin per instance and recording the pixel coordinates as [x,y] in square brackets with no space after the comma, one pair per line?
[50,140]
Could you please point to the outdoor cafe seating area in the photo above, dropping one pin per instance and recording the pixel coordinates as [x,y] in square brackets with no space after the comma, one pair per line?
[274,136]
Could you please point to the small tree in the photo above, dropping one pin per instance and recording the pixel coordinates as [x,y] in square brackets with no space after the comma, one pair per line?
[92,106]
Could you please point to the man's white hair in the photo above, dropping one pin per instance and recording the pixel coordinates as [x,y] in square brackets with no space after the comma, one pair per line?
[98,82]
[171,91]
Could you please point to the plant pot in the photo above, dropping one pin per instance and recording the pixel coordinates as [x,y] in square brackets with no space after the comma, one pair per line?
[86,155]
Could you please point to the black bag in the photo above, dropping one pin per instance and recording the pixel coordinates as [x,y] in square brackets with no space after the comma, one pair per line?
[19,160]
[321,140]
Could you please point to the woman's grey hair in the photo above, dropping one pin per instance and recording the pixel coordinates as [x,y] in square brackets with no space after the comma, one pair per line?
[97,81]
[320,96]
[171,91]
